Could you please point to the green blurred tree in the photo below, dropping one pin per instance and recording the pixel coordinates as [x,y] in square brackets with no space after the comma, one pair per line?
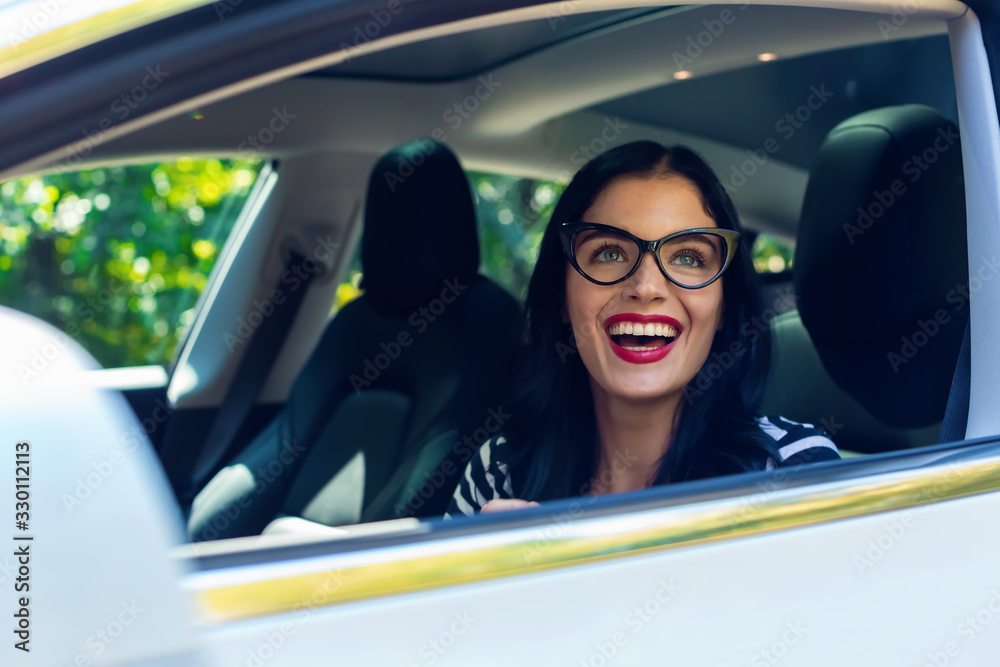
[117,256]
[512,213]
[770,255]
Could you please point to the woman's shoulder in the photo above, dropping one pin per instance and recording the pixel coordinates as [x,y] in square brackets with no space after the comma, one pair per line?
[495,451]
[797,443]
[485,478]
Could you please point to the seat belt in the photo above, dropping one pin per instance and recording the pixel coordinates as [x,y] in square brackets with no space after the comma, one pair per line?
[956,415]
[246,385]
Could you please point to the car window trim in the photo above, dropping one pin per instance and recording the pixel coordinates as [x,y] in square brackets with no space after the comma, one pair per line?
[267,179]
[434,555]
[101,25]
[980,140]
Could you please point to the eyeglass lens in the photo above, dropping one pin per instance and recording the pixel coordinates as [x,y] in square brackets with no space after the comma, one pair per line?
[690,259]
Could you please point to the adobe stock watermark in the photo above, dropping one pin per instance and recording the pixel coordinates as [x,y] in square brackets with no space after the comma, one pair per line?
[778,649]
[321,594]
[121,108]
[371,30]
[751,505]
[551,534]
[105,636]
[635,620]
[8,568]
[264,476]
[454,117]
[557,13]
[102,470]
[608,137]
[696,45]
[925,330]
[223,7]
[272,641]
[894,531]
[913,169]
[901,13]
[420,319]
[255,143]
[462,452]
[34,22]
[721,361]
[434,648]
[38,360]
[968,630]
[546,537]
[292,279]
[786,126]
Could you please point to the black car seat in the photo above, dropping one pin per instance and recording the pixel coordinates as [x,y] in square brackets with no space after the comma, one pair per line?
[405,381]
[880,267]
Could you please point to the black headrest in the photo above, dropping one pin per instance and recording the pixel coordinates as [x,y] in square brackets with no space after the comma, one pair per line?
[881,260]
[420,227]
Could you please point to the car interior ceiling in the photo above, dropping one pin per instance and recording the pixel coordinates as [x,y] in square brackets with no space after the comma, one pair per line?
[361,450]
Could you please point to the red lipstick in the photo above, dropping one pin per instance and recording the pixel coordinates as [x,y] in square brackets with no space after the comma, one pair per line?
[643,356]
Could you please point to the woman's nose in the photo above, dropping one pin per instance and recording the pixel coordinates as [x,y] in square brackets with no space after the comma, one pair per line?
[647,283]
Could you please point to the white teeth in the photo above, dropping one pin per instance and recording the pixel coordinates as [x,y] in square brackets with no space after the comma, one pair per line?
[637,329]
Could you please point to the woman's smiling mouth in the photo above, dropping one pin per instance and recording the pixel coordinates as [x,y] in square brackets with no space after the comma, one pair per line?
[642,339]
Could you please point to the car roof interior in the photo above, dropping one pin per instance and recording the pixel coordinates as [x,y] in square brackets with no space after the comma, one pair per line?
[557,79]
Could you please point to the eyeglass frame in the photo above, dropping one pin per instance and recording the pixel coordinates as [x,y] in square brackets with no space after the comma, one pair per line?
[568,231]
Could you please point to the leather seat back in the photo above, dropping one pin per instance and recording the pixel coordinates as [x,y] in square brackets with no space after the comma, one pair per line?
[399,391]
[880,265]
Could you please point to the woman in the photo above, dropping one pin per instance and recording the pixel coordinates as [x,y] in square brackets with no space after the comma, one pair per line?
[626,304]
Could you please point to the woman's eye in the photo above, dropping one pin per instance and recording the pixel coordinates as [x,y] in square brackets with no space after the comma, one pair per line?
[610,255]
[687,259]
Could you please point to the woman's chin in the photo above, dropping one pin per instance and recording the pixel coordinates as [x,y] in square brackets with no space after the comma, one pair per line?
[640,383]
[638,392]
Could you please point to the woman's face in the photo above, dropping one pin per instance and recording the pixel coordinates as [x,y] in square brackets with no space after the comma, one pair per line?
[620,364]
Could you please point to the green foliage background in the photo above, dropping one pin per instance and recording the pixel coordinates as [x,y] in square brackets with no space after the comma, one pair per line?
[512,215]
[116,257]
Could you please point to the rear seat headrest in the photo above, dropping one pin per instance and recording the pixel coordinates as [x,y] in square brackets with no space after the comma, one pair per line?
[880,252]
[420,227]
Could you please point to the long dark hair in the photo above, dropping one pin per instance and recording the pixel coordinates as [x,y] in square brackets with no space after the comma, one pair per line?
[553,431]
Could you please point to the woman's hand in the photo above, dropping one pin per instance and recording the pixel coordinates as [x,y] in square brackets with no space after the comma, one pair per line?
[505,504]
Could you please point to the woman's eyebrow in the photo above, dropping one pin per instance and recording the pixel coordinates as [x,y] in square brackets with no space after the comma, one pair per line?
[701,235]
[707,238]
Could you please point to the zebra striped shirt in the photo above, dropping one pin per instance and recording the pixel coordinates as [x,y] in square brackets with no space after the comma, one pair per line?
[486,474]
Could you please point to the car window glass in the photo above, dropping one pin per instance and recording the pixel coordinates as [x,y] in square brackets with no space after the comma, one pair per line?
[115,257]
[511,213]
[772,254]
